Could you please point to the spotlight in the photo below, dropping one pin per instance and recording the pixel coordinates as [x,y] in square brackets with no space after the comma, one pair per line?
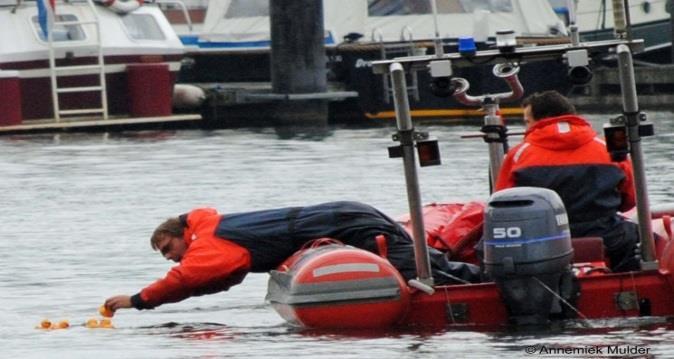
[579,70]
[441,72]
[442,87]
[505,40]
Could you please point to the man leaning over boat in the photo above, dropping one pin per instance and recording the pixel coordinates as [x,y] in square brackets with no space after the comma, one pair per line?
[217,251]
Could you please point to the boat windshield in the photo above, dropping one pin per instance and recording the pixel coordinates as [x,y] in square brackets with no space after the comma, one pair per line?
[142,27]
[247,8]
[69,32]
[416,7]
[252,8]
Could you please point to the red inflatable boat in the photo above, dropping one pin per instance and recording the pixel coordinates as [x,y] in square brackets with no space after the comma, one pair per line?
[329,285]
[537,272]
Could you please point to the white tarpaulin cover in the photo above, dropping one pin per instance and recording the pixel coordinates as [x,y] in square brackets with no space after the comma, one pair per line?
[248,20]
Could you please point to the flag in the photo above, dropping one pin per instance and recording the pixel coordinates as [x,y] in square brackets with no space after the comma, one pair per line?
[45,15]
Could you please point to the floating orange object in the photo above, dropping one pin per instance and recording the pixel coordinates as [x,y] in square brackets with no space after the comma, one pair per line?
[47,324]
[105,323]
[105,311]
[92,323]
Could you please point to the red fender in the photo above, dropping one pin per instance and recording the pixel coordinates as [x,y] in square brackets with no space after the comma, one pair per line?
[330,285]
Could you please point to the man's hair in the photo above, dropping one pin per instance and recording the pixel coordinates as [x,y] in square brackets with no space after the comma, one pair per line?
[173,227]
[548,104]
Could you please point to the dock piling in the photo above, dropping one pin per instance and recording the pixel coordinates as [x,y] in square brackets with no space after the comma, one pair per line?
[298,61]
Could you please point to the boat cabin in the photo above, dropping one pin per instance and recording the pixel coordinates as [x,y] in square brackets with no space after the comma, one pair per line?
[244,24]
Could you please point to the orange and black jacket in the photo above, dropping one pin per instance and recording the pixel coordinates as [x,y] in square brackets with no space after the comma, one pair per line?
[209,265]
[563,154]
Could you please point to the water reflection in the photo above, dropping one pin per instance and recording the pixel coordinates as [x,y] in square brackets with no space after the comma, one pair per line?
[190,331]
[317,133]
[78,211]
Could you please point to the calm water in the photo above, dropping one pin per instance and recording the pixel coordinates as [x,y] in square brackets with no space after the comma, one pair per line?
[78,210]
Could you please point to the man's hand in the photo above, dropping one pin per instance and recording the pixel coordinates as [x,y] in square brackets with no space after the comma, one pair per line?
[117,302]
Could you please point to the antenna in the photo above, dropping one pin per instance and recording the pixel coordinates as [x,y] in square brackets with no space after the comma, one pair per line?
[439,51]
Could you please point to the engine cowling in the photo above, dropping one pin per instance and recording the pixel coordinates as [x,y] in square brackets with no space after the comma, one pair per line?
[528,251]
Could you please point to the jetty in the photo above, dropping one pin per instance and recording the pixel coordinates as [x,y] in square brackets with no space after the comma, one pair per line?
[93,124]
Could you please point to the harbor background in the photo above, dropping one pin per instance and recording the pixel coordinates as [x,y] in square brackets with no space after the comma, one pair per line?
[78,210]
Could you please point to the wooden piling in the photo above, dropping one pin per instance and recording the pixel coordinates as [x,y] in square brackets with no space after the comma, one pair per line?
[298,61]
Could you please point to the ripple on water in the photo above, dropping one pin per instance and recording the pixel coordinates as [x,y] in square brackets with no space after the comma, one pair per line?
[78,210]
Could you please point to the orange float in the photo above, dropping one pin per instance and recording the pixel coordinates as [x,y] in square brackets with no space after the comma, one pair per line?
[105,323]
[45,324]
[92,323]
[104,311]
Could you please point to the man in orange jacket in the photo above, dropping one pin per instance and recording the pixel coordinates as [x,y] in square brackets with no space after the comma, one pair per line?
[561,152]
[216,251]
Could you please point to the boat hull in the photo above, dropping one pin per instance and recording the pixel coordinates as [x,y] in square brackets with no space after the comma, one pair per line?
[656,35]
[623,295]
[36,91]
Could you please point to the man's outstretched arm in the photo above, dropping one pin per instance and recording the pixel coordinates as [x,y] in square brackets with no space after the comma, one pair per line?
[118,302]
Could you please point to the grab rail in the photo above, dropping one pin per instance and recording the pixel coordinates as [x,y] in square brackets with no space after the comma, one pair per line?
[181,5]
[507,72]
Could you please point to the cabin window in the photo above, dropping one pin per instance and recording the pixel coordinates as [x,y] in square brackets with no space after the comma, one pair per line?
[61,32]
[142,27]
[417,7]
[247,8]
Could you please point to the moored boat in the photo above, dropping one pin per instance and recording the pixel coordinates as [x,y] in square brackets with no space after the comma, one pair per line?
[88,60]
[650,21]
[236,36]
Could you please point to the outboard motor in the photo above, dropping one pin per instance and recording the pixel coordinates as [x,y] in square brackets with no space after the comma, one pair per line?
[528,252]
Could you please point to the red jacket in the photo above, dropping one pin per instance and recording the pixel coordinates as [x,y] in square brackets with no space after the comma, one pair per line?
[210,264]
[563,154]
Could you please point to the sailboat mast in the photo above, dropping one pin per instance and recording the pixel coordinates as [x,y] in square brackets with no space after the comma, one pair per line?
[439,51]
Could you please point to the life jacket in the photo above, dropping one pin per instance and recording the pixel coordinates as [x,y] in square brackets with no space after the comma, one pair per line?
[453,228]
[563,154]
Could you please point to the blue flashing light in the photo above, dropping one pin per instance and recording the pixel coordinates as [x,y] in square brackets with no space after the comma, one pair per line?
[561,11]
[467,46]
